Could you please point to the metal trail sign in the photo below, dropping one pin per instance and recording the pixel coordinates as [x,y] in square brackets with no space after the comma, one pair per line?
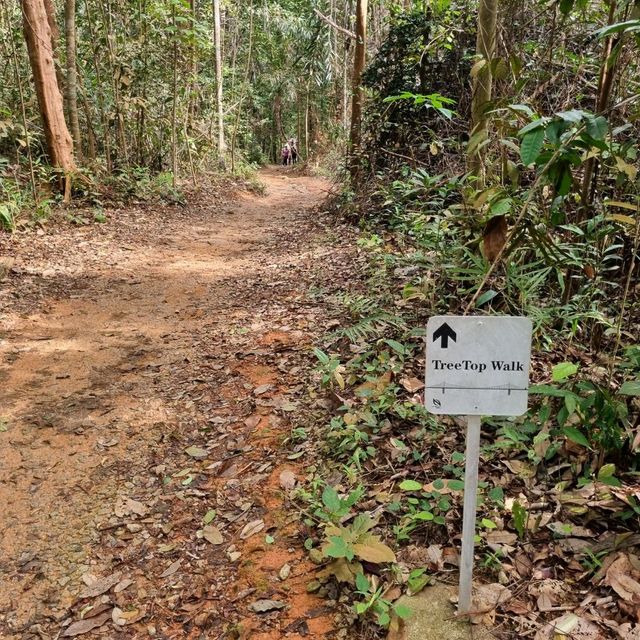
[476,366]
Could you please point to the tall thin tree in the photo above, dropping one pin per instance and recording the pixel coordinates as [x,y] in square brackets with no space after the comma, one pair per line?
[217,36]
[71,87]
[357,90]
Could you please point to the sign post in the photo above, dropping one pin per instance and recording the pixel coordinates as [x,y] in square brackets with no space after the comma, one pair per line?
[476,366]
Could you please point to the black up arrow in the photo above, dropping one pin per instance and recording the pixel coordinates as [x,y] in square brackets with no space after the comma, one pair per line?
[443,333]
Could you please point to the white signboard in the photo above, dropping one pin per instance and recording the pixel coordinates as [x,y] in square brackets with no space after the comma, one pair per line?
[478,365]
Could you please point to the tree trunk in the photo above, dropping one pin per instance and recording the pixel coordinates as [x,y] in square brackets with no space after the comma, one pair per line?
[217,35]
[174,102]
[71,88]
[605,84]
[37,33]
[483,79]
[247,74]
[55,36]
[358,93]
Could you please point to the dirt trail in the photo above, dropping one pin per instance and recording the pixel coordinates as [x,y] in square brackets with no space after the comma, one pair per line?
[148,369]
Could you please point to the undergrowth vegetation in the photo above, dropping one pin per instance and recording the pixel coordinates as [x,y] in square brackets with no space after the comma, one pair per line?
[547,228]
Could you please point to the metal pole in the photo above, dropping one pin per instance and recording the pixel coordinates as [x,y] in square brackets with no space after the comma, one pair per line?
[472,458]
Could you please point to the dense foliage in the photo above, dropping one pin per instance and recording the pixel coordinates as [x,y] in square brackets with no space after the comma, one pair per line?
[147,91]
[535,213]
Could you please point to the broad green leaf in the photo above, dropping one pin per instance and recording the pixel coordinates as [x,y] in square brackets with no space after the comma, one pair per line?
[520,515]
[628,26]
[576,436]
[501,207]
[410,485]
[427,516]
[485,297]
[321,355]
[532,126]
[548,390]
[563,370]
[630,388]
[337,547]
[572,115]
[362,583]
[384,619]
[605,475]
[396,346]
[597,127]
[523,108]
[571,403]
[606,471]
[418,580]
[455,485]
[331,500]
[402,611]
[531,146]
[361,607]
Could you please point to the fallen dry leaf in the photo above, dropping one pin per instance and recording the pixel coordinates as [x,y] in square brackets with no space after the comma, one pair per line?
[212,534]
[570,627]
[122,618]
[284,572]
[252,421]
[122,585]
[171,569]
[102,585]
[127,506]
[251,528]
[623,576]
[196,452]
[628,631]
[262,606]
[412,384]
[486,600]
[84,626]
[287,479]
[263,388]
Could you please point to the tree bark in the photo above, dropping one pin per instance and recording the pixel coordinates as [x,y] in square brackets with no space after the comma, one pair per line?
[37,33]
[483,80]
[55,37]
[217,36]
[71,88]
[358,93]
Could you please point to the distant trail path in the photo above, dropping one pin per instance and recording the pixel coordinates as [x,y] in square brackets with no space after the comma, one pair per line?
[122,346]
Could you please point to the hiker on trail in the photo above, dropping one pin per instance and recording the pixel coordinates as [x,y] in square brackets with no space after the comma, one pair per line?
[293,146]
[286,154]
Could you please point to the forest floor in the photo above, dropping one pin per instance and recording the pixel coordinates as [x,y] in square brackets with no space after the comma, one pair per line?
[150,369]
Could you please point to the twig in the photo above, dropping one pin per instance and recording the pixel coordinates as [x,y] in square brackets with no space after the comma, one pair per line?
[337,27]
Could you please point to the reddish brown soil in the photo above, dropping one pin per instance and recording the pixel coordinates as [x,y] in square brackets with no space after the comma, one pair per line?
[122,345]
